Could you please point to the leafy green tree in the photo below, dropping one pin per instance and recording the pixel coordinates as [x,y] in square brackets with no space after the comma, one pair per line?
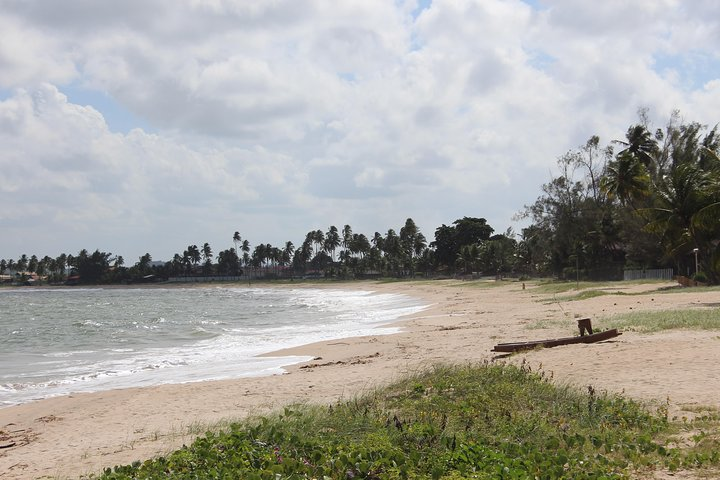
[445,245]
[498,254]
[470,230]
[449,240]
[92,268]
[228,262]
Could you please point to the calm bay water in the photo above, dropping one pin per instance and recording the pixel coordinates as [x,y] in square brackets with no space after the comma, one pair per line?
[57,341]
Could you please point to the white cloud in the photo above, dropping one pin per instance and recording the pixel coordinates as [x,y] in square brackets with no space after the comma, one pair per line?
[276,118]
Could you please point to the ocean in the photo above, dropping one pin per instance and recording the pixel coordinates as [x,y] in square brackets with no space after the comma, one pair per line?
[59,341]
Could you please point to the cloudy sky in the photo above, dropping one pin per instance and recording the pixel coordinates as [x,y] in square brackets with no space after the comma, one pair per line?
[150,125]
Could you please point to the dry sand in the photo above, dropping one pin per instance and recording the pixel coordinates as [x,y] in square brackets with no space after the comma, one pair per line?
[80,434]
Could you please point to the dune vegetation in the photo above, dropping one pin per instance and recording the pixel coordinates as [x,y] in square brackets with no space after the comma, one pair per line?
[485,421]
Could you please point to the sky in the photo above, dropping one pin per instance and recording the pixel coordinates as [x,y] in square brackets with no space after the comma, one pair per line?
[146,126]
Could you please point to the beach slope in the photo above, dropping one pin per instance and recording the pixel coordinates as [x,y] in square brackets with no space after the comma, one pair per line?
[80,434]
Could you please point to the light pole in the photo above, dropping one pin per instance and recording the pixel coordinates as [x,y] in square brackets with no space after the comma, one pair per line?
[695,251]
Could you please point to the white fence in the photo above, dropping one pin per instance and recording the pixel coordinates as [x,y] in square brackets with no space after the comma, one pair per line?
[654,274]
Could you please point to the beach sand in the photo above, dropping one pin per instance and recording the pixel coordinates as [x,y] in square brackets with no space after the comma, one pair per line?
[80,434]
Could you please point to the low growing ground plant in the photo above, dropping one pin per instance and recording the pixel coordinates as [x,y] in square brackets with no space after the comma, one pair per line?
[489,421]
[656,321]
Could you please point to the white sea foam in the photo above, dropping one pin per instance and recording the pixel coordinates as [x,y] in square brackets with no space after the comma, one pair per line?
[142,337]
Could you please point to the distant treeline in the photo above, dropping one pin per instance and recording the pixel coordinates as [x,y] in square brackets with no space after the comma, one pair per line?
[650,200]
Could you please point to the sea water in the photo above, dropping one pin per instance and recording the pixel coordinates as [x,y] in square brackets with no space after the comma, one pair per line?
[58,341]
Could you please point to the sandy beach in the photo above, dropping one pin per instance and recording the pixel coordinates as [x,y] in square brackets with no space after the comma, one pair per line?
[80,434]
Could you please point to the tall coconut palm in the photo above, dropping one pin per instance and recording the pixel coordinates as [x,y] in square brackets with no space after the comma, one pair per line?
[332,241]
[22,263]
[626,179]
[33,264]
[469,256]
[245,247]
[60,265]
[193,253]
[236,240]
[346,236]
[318,238]
[681,195]
[640,144]
[207,252]
[288,252]
[207,258]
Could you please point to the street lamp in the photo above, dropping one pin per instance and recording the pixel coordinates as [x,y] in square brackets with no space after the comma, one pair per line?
[695,251]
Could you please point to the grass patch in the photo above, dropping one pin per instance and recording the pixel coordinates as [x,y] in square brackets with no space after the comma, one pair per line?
[555,286]
[651,322]
[568,323]
[489,421]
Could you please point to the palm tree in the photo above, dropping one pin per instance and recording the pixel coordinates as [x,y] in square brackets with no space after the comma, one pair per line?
[177,263]
[641,145]
[33,264]
[469,255]
[626,179]
[207,258]
[192,255]
[60,264]
[681,196]
[207,252]
[245,247]
[318,238]
[22,263]
[236,240]
[347,236]
[332,241]
[186,261]
[378,241]
[288,252]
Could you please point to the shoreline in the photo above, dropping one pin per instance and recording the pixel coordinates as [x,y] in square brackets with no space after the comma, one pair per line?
[232,345]
[65,437]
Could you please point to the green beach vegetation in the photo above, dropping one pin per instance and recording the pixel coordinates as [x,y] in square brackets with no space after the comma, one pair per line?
[650,200]
[488,421]
[650,322]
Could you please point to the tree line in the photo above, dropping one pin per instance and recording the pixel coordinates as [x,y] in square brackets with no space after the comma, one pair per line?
[649,200]
[467,245]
